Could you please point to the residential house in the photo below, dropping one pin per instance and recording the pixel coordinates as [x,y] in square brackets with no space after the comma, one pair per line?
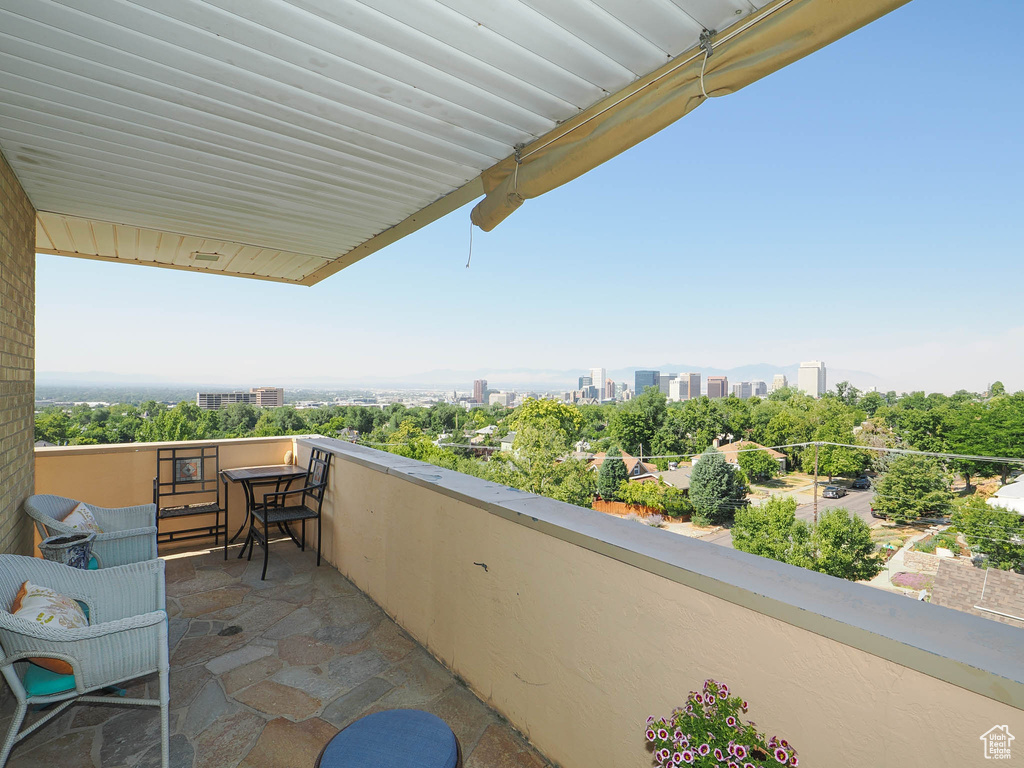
[731,451]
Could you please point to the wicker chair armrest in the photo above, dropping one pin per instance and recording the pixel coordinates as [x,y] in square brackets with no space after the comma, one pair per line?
[128,533]
[124,518]
[111,593]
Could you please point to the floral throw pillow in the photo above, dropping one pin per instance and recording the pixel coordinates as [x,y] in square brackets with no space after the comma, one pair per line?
[81,519]
[42,604]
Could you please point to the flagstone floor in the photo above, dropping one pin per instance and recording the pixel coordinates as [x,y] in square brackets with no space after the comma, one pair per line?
[265,673]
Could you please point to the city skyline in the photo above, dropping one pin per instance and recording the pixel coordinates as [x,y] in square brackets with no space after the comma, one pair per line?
[848,240]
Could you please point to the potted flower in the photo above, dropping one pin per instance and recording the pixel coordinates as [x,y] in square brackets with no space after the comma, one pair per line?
[708,733]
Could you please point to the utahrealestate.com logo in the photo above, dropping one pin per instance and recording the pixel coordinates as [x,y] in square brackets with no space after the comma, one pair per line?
[997,742]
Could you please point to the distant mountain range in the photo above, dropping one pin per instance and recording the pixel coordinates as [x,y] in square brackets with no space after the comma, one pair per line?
[497,378]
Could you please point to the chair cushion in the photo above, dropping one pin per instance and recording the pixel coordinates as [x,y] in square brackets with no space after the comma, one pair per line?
[397,738]
[42,682]
[81,519]
[42,604]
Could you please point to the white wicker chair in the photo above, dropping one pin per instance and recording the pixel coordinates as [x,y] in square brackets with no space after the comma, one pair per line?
[129,533]
[126,639]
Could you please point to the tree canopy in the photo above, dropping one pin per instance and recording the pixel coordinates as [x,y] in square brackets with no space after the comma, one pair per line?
[717,490]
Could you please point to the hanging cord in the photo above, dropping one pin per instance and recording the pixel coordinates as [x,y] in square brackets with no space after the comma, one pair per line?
[705,44]
[519,161]
[470,244]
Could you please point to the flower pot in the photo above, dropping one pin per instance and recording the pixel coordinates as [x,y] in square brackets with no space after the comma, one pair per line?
[72,549]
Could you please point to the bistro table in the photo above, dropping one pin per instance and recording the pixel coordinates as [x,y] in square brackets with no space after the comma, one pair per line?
[281,476]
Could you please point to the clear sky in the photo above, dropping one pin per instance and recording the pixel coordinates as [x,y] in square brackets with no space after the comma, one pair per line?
[862,206]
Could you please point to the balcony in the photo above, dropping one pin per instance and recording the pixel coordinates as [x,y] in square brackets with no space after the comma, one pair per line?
[571,625]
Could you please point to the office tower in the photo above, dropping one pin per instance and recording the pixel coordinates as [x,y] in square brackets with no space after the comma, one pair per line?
[268,397]
[811,378]
[597,378]
[718,386]
[645,379]
[692,385]
[664,380]
[678,389]
[480,391]
[264,397]
[585,381]
[779,382]
[609,390]
[742,390]
[758,389]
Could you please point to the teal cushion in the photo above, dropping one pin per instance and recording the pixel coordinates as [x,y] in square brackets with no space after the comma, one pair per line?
[43,682]
[94,564]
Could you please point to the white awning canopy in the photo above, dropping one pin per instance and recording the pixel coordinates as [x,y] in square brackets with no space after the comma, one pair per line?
[286,139]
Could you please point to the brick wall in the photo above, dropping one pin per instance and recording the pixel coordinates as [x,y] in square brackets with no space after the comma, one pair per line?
[17,361]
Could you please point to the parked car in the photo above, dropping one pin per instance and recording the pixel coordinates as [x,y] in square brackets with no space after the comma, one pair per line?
[834,492]
[861,482]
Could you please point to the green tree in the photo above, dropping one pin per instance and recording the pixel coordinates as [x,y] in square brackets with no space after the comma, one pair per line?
[548,414]
[758,465]
[54,426]
[772,530]
[611,475]
[871,402]
[847,393]
[265,426]
[992,531]
[842,546]
[239,419]
[835,425]
[635,423]
[913,486]
[716,489]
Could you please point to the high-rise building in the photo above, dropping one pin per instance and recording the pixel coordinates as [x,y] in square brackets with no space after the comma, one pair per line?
[664,379]
[597,377]
[585,381]
[645,379]
[609,389]
[811,378]
[718,386]
[742,390]
[758,389]
[480,391]
[779,382]
[677,390]
[692,385]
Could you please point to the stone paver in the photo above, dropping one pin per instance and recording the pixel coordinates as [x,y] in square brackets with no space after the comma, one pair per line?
[265,673]
[237,658]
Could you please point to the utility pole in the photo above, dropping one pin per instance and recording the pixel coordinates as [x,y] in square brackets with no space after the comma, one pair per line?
[815,484]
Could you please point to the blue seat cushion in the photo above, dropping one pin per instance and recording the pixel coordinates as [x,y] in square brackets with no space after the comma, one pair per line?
[94,564]
[397,738]
[43,682]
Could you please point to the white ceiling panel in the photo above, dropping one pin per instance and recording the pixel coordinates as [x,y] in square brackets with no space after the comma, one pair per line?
[286,136]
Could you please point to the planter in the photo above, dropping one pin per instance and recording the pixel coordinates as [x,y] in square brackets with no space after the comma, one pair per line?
[72,549]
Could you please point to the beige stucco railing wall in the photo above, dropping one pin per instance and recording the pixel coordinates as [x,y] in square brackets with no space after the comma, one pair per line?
[122,475]
[576,626]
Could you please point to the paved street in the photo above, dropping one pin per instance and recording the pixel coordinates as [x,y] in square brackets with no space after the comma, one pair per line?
[857,501]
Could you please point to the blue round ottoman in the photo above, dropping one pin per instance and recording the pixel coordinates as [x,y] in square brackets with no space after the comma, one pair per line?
[397,738]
